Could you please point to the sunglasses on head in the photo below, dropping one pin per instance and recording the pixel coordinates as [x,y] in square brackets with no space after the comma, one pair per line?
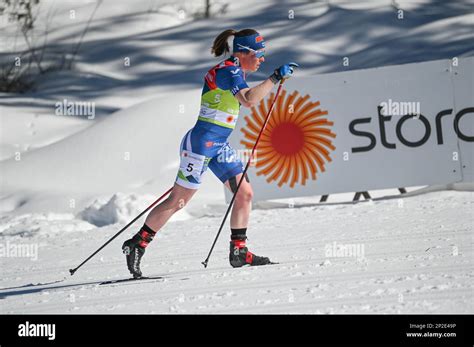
[258,54]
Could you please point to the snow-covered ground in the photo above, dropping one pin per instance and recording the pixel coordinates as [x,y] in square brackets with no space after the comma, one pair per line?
[68,183]
[410,258]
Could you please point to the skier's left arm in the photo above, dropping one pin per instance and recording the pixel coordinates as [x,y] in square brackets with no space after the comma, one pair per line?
[249,97]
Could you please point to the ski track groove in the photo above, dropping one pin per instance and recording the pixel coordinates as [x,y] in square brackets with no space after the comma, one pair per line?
[260,283]
[372,258]
[307,246]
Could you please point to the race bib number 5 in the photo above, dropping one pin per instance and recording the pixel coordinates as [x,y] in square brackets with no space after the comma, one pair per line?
[192,164]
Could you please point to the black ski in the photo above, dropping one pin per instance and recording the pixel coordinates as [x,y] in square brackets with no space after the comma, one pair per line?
[132,279]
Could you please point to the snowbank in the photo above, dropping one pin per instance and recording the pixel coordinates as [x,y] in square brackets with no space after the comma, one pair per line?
[120,208]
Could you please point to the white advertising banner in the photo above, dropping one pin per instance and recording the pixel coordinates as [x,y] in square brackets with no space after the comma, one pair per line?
[388,127]
[463,81]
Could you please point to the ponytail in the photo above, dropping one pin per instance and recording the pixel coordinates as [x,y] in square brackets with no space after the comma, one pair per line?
[220,45]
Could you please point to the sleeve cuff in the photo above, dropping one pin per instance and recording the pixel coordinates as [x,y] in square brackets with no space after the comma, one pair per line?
[238,88]
[273,78]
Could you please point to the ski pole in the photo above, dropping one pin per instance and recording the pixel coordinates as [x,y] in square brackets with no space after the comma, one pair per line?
[72,271]
[243,174]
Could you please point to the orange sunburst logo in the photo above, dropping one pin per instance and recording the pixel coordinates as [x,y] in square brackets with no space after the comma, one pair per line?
[296,142]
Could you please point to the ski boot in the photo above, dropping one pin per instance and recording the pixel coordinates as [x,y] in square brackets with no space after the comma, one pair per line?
[240,255]
[134,254]
[134,249]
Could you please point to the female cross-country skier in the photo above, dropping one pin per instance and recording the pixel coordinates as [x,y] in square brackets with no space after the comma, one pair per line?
[205,145]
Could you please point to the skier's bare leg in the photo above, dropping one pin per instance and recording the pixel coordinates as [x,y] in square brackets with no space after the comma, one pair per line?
[239,217]
[178,198]
[134,248]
